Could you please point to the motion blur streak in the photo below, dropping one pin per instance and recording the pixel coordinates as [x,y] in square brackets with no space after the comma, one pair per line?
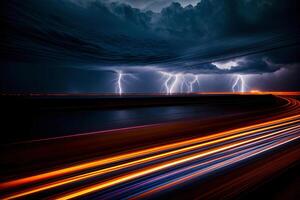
[164,166]
[159,167]
[144,152]
[213,167]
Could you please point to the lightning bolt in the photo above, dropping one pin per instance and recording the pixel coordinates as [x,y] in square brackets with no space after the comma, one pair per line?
[192,82]
[182,84]
[119,81]
[175,81]
[166,82]
[239,83]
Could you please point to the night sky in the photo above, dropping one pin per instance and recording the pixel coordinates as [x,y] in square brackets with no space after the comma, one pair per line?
[81,46]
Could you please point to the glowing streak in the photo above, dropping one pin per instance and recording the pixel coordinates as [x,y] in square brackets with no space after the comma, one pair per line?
[258,127]
[161,166]
[212,167]
[189,148]
[96,173]
[212,139]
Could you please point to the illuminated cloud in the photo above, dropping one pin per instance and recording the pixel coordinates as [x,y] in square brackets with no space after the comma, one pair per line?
[228,65]
[210,37]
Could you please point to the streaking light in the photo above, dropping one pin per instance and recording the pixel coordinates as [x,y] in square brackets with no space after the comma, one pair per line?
[237,144]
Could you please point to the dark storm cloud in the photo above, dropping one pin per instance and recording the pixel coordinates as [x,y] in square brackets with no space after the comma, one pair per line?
[105,34]
[153,5]
[156,5]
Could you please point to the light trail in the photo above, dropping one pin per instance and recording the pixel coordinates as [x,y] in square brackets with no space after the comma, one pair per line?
[159,167]
[211,168]
[228,144]
[163,181]
[265,126]
[144,160]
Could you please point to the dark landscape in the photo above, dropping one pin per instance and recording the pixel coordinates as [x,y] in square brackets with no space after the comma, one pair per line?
[150,99]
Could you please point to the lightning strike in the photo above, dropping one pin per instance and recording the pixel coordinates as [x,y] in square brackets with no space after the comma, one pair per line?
[175,83]
[119,81]
[178,82]
[239,84]
[169,77]
[192,82]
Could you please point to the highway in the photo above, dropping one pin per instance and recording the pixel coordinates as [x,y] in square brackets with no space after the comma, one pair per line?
[163,168]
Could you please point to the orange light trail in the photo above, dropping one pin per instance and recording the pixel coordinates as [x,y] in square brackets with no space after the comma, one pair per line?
[144,160]
[209,169]
[226,140]
[162,166]
[100,162]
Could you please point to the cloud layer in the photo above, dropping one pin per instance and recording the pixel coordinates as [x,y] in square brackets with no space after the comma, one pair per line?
[101,35]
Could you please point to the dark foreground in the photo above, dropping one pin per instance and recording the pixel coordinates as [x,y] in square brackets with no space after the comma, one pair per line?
[36,117]
[175,147]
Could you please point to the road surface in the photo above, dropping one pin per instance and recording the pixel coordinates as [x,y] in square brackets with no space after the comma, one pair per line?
[209,165]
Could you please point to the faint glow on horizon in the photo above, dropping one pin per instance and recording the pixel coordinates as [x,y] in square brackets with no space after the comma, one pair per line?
[255,91]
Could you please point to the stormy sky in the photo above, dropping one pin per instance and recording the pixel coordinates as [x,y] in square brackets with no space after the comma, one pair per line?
[82,45]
